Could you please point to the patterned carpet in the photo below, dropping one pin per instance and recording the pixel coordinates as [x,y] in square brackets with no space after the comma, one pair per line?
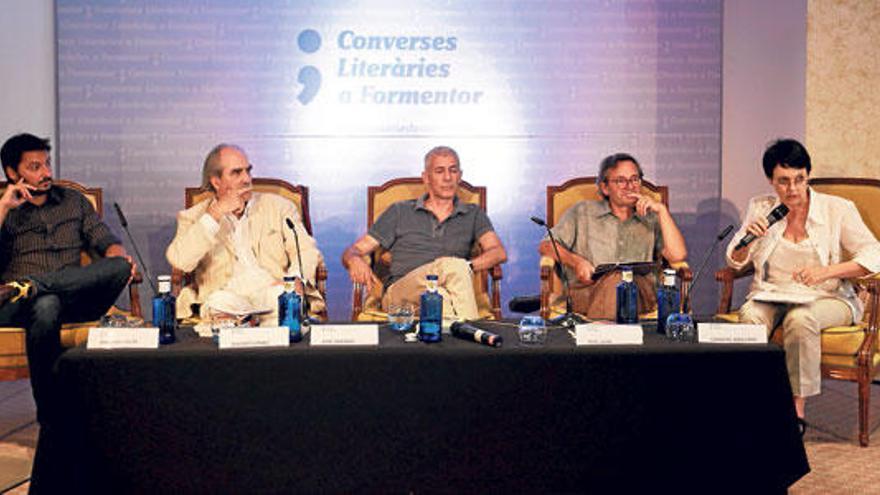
[839,464]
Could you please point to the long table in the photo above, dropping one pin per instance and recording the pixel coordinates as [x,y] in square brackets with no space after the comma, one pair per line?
[413,417]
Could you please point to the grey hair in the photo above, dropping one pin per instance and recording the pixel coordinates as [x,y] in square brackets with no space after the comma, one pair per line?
[441,151]
[612,161]
[212,168]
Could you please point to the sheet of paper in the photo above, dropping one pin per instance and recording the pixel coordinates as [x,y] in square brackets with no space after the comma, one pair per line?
[608,334]
[366,334]
[785,297]
[123,338]
[731,333]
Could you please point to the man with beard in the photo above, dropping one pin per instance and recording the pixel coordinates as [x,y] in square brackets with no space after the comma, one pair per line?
[43,229]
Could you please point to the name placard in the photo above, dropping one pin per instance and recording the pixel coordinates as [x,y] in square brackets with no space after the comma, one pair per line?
[123,338]
[345,334]
[608,334]
[245,337]
[731,333]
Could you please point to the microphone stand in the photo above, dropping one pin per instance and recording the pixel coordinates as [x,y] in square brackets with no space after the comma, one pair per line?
[570,318]
[303,308]
[137,252]
[720,237]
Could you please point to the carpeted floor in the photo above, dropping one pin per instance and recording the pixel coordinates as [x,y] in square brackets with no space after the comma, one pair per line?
[839,464]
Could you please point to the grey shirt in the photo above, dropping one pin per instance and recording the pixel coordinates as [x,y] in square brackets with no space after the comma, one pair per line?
[590,230]
[415,237]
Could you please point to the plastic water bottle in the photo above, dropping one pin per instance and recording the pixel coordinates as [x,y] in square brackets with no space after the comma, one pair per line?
[289,309]
[165,311]
[627,298]
[668,300]
[430,312]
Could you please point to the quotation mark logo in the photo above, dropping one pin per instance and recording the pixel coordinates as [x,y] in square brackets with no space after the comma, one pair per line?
[309,41]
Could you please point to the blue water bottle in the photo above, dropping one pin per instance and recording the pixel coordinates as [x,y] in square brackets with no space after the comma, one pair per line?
[668,300]
[289,309]
[430,312]
[627,298]
[165,311]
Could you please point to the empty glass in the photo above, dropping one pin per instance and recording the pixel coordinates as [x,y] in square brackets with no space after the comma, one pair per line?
[532,330]
[400,317]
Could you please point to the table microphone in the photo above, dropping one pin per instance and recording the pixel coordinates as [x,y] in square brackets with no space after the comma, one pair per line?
[570,318]
[774,216]
[304,306]
[466,331]
[720,237]
[137,252]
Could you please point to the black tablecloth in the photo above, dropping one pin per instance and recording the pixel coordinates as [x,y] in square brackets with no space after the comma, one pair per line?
[413,417]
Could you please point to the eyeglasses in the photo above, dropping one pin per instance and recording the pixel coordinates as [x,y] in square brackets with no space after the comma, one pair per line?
[621,182]
[785,182]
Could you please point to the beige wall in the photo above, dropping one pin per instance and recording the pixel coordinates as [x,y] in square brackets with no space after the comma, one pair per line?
[843,87]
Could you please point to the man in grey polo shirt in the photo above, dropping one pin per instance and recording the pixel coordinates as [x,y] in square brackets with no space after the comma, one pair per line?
[623,227]
[430,235]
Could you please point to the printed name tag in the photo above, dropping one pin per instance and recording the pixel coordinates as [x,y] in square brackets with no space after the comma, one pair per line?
[243,337]
[123,338]
[731,333]
[605,334]
[345,334]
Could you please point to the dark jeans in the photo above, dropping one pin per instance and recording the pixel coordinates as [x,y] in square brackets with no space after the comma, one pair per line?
[70,295]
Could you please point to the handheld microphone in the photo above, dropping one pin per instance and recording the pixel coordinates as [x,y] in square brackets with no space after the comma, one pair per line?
[720,237]
[304,306]
[137,251]
[774,216]
[466,331]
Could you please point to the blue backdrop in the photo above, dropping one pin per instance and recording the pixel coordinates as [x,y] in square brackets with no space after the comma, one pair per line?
[341,96]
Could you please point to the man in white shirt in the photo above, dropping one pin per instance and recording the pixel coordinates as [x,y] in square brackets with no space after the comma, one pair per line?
[238,243]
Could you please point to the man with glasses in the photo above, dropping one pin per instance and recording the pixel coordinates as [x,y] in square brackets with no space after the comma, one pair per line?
[624,227]
[239,246]
[43,230]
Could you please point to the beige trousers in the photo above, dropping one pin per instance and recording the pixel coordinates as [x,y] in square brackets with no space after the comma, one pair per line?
[802,325]
[455,281]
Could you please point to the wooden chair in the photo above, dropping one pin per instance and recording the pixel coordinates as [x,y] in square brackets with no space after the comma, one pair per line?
[559,200]
[13,357]
[368,307]
[298,195]
[848,353]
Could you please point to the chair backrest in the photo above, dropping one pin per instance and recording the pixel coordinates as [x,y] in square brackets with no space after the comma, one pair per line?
[379,198]
[299,195]
[865,193]
[561,198]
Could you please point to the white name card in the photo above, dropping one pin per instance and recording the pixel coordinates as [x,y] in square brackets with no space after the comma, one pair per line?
[345,334]
[123,338]
[608,334]
[244,337]
[731,333]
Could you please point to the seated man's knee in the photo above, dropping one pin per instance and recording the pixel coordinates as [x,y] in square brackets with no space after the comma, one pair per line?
[118,270]
[45,313]
[749,313]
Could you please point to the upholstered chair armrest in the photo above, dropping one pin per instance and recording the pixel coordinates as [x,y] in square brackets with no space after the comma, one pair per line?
[726,276]
[134,296]
[546,265]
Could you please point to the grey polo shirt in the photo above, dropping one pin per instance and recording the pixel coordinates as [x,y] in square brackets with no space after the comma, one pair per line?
[415,237]
[590,230]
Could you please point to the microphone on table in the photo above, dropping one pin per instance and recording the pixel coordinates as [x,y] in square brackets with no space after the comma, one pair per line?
[137,252]
[570,318]
[774,216]
[304,309]
[466,331]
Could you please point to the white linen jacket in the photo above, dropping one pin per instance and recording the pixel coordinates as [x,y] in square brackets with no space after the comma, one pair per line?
[211,254]
[834,229]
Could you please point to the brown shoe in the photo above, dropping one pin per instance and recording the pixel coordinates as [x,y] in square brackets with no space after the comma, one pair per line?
[16,290]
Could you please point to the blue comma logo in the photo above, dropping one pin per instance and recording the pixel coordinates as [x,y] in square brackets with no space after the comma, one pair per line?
[309,41]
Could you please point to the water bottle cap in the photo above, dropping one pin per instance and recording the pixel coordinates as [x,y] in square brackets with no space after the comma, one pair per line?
[164,278]
[289,278]
[668,271]
[431,277]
